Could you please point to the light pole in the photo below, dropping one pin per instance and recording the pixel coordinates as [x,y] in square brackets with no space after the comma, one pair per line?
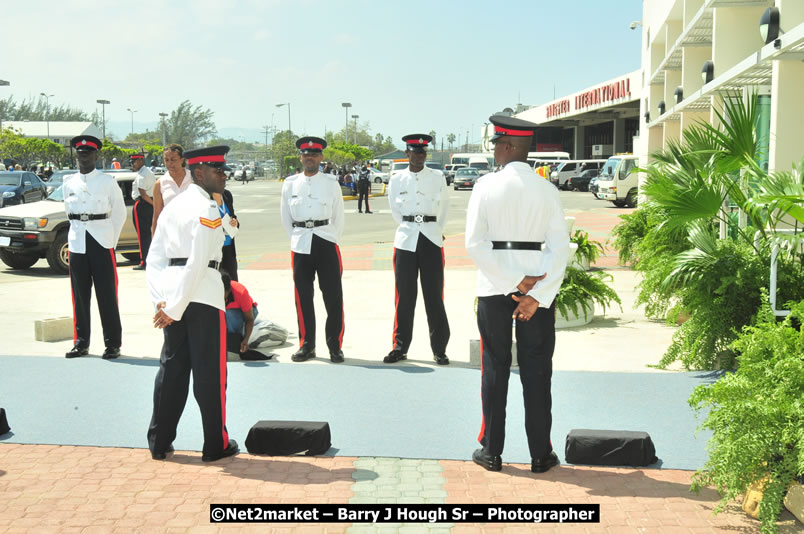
[3,83]
[355,117]
[346,106]
[132,111]
[47,112]
[164,128]
[288,105]
[103,103]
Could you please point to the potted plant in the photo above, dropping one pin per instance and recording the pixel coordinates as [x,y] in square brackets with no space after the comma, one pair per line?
[586,251]
[580,291]
[756,415]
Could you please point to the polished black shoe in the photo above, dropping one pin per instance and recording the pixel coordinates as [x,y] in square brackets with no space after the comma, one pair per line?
[441,359]
[111,353]
[395,356]
[76,352]
[369,212]
[303,354]
[544,464]
[230,450]
[486,460]
[139,267]
[336,356]
[161,455]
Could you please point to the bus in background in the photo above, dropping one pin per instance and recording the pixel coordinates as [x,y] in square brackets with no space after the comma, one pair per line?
[462,158]
[546,157]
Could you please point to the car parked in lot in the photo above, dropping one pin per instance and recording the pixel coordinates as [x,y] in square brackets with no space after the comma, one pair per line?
[449,171]
[56,179]
[593,187]
[39,230]
[378,177]
[465,178]
[581,181]
[20,187]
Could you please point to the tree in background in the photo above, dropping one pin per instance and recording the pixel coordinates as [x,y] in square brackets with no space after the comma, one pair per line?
[36,109]
[111,150]
[29,150]
[189,126]
[147,137]
[346,154]
[451,139]
[284,152]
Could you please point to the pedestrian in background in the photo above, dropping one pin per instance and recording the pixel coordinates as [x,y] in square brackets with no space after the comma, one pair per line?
[176,180]
[142,191]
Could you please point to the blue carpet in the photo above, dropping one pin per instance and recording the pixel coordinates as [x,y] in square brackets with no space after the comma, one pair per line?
[407,412]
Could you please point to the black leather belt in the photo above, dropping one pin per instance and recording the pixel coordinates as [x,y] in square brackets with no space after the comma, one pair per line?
[310,223]
[419,218]
[183,261]
[87,216]
[516,245]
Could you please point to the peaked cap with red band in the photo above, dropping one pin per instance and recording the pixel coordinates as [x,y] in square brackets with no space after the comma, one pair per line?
[85,142]
[418,141]
[137,156]
[505,125]
[311,145]
[214,156]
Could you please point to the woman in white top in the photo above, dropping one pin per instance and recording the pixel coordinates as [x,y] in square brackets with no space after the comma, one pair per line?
[176,180]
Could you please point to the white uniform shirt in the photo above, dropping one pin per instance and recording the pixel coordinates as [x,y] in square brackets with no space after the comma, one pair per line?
[169,188]
[418,193]
[190,227]
[316,198]
[93,194]
[145,180]
[516,204]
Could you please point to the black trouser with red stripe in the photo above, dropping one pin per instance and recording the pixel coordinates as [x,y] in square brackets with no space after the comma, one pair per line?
[96,266]
[428,263]
[535,341]
[325,259]
[143,217]
[196,343]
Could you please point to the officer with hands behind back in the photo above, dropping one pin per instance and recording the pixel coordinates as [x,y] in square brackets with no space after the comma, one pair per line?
[185,285]
[96,210]
[517,237]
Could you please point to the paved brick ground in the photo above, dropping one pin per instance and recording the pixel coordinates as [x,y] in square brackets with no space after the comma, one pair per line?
[49,488]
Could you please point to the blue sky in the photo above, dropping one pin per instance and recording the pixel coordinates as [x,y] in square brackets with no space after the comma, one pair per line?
[405,66]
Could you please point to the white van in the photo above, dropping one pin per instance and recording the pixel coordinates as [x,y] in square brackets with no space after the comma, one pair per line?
[567,169]
[481,164]
[617,181]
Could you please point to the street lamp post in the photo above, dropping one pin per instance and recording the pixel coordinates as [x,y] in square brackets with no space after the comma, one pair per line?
[164,128]
[47,112]
[103,103]
[132,111]
[355,117]
[288,105]
[346,106]
[3,83]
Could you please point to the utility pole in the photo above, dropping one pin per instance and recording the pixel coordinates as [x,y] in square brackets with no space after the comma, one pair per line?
[103,103]
[163,116]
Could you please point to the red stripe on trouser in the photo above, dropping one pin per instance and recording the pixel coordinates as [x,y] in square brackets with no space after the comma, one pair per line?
[222,336]
[137,227]
[72,296]
[114,269]
[299,315]
[343,313]
[482,411]
[443,263]
[396,303]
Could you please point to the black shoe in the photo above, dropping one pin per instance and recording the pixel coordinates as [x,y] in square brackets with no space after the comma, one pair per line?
[304,354]
[441,359]
[369,212]
[360,211]
[336,356]
[162,455]
[230,450]
[77,351]
[395,356]
[111,353]
[140,267]
[544,464]
[486,460]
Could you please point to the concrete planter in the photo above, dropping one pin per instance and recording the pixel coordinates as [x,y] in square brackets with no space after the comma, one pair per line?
[574,319]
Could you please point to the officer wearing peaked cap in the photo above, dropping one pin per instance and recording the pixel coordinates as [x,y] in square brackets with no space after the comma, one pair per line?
[96,210]
[311,210]
[142,192]
[186,288]
[517,237]
[419,200]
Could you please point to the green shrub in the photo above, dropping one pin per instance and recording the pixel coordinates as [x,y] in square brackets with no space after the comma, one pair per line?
[581,289]
[587,248]
[756,414]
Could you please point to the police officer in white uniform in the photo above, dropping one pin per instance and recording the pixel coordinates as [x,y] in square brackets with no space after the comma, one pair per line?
[312,214]
[419,200]
[517,237]
[96,210]
[142,192]
[186,288]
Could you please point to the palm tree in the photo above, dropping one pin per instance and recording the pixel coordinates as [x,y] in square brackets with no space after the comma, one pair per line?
[451,139]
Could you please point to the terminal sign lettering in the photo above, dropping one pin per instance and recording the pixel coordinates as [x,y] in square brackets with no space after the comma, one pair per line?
[606,93]
[557,108]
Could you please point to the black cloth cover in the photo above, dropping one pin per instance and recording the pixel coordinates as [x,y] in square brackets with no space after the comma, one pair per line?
[4,428]
[282,438]
[609,447]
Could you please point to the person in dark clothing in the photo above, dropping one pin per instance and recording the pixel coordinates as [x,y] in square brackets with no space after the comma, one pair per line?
[225,203]
[363,189]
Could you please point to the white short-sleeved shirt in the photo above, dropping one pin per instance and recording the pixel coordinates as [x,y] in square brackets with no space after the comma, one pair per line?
[418,193]
[95,193]
[145,180]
